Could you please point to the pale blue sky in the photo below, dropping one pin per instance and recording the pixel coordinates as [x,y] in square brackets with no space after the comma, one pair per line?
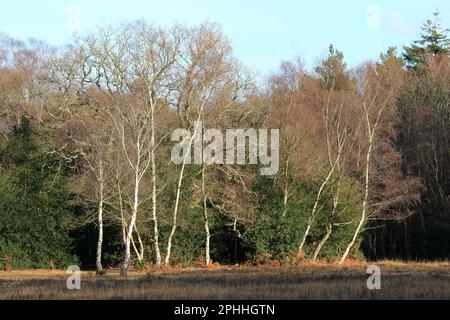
[262,32]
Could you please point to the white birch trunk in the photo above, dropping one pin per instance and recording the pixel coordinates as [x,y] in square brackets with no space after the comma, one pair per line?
[364,206]
[371,135]
[286,188]
[100,222]
[323,241]
[206,219]
[180,181]
[154,204]
[122,216]
[314,210]
[177,202]
[331,225]
[139,252]
[126,262]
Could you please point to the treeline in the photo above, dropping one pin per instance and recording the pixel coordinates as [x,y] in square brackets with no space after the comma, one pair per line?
[85,155]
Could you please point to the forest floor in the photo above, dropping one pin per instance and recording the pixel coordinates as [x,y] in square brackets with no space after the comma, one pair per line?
[305,281]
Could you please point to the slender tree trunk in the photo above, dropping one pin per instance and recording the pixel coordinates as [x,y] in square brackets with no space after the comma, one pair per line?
[180,182]
[133,243]
[314,210]
[139,252]
[154,204]
[365,203]
[371,134]
[141,244]
[122,216]
[100,223]
[333,217]
[206,219]
[177,203]
[305,235]
[126,262]
[323,241]
[286,188]
[154,217]
[238,236]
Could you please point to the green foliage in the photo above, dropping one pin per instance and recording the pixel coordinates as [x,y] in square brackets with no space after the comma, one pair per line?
[433,40]
[277,232]
[392,56]
[345,222]
[35,210]
[188,243]
[248,217]
[332,71]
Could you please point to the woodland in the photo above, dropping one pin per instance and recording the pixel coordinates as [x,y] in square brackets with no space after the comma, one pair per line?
[86,175]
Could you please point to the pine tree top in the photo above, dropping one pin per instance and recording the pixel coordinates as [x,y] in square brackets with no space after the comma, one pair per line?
[433,41]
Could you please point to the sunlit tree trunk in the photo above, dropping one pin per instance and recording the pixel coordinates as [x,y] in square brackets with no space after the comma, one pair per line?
[154,200]
[323,241]
[100,220]
[206,219]
[139,252]
[371,130]
[364,206]
[127,260]
[286,187]
[177,203]
[181,177]
[333,217]
[314,211]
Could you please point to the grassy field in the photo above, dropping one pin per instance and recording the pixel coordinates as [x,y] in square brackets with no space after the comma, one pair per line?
[308,281]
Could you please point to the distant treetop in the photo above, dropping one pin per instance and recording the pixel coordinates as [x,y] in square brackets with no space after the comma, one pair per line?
[433,41]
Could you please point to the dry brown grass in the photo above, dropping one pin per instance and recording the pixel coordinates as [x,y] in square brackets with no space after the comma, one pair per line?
[310,280]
